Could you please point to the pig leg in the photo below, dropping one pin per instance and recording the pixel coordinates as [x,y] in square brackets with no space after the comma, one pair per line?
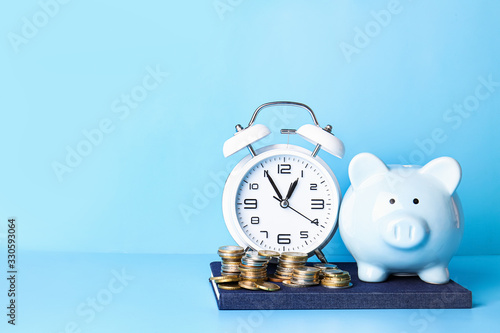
[371,273]
[435,275]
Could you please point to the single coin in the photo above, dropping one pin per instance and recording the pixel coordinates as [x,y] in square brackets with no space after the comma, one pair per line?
[231,249]
[336,284]
[323,266]
[332,271]
[255,279]
[337,287]
[234,268]
[337,278]
[307,269]
[231,269]
[301,262]
[245,268]
[246,284]
[288,283]
[294,255]
[229,286]
[225,278]
[268,253]
[255,256]
[273,278]
[229,253]
[305,283]
[267,286]
[231,258]
[253,276]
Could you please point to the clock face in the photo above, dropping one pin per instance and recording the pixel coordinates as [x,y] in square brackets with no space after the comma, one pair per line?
[286,201]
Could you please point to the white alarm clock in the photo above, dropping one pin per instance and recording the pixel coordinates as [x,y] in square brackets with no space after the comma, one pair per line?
[282,197]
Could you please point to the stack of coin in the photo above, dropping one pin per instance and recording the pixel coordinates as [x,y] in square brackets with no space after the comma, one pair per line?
[305,276]
[253,267]
[323,266]
[336,278]
[286,264]
[231,258]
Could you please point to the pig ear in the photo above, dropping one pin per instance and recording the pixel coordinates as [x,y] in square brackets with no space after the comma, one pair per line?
[446,170]
[364,166]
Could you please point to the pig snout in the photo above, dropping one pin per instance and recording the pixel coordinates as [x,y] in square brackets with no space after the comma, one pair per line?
[404,231]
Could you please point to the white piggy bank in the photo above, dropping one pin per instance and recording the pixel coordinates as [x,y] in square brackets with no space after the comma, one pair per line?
[402,219]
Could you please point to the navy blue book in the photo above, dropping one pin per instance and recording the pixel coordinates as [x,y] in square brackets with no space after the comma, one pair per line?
[398,292]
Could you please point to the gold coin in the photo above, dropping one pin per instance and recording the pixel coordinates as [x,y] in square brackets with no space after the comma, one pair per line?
[337,278]
[269,253]
[246,284]
[284,261]
[267,286]
[252,268]
[253,275]
[286,266]
[294,255]
[231,259]
[225,278]
[229,286]
[255,279]
[337,286]
[340,283]
[273,278]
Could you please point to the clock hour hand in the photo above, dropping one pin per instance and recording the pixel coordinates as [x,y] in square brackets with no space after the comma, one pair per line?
[275,187]
[291,189]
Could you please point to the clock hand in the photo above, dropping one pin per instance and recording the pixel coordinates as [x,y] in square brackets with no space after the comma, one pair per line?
[291,189]
[284,204]
[275,187]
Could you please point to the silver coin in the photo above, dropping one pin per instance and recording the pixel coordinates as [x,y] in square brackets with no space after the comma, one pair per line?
[293,285]
[324,266]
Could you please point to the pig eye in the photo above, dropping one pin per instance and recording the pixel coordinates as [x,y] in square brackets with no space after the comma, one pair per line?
[392,201]
[415,201]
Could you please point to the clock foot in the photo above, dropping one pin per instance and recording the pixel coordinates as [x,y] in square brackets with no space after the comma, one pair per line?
[320,256]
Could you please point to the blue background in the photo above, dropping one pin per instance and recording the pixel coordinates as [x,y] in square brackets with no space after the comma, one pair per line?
[150,188]
[129,193]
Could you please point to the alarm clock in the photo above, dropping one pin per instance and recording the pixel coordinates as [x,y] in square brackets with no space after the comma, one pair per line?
[282,197]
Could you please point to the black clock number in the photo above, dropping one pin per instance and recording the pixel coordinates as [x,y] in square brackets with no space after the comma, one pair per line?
[250,203]
[284,168]
[284,239]
[317,203]
[314,187]
[253,186]
[254,220]
[304,234]
[315,221]
[267,234]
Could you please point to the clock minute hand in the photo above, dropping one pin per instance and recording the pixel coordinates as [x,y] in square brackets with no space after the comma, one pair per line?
[291,189]
[275,187]
[296,211]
